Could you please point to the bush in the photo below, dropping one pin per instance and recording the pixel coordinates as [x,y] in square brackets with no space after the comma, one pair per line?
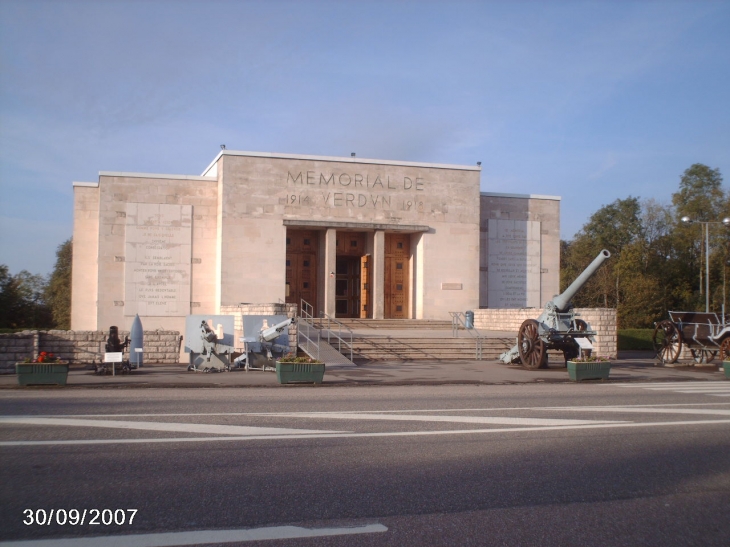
[635,339]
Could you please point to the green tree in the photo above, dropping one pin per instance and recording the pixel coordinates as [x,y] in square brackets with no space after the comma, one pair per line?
[657,261]
[22,300]
[612,227]
[701,198]
[58,291]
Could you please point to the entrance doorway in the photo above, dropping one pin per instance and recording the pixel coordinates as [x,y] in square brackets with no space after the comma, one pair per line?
[347,287]
[352,285]
[302,248]
[397,275]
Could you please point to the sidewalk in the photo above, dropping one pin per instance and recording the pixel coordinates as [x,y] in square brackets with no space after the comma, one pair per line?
[630,367]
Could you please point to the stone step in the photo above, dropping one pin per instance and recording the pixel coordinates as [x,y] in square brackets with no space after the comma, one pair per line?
[404,348]
[394,324]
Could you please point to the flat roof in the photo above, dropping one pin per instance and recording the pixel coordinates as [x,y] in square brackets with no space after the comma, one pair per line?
[343,159]
[520,196]
[153,176]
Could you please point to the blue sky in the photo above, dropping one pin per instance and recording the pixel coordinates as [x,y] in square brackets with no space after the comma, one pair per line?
[592,101]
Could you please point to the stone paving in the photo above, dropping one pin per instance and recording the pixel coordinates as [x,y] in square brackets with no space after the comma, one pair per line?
[630,367]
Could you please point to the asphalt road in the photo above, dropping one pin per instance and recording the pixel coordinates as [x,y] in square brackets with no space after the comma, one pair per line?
[586,464]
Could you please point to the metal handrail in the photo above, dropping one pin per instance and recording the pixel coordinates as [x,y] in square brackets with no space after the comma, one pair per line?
[308,336]
[338,336]
[457,319]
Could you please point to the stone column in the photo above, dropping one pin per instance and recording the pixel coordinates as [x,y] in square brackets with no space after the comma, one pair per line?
[330,266]
[378,274]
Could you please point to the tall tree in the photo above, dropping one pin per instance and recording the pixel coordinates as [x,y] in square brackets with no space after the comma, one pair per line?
[22,300]
[58,291]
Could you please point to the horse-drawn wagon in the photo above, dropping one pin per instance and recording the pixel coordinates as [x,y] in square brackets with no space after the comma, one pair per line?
[705,334]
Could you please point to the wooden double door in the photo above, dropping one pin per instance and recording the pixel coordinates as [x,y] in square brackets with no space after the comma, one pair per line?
[353,273]
[302,259]
[352,285]
[397,275]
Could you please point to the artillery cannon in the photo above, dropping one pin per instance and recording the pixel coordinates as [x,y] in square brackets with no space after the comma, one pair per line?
[704,333]
[557,327]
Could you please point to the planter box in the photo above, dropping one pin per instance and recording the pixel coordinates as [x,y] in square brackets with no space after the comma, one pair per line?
[289,373]
[588,371]
[726,368]
[41,373]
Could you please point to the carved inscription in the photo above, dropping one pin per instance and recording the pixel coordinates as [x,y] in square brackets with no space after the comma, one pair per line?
[354,190]
[157,261]
[514,264]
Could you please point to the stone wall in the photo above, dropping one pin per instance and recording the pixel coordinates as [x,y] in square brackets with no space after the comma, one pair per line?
[81,346]
[601,320]
[290,310]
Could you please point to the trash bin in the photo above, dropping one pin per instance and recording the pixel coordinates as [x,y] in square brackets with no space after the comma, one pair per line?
[469,322]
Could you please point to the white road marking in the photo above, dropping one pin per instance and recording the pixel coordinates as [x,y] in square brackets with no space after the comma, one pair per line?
[642,385]
[645,410]
[504,420]
[712,388]
[610,425]
[399,411]
[213,429]
[692,389]
[200,537]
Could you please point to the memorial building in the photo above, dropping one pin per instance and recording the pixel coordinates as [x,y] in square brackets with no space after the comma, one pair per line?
[352,237]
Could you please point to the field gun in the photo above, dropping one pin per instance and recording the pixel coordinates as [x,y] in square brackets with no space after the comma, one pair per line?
[557,327]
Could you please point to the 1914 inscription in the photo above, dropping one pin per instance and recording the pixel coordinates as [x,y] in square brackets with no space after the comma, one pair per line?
[157,265]
[354,190]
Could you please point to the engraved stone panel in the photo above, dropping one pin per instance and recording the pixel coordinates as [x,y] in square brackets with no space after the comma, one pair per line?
[514,264]
[157,260]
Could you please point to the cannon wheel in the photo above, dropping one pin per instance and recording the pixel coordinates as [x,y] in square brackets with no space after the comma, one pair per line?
[531,348]
[703,356]
[667,341]
[725,350]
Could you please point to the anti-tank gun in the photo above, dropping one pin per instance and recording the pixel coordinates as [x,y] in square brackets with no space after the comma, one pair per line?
[557,328]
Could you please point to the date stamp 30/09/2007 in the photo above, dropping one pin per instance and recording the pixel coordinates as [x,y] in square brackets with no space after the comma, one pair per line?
[79,517]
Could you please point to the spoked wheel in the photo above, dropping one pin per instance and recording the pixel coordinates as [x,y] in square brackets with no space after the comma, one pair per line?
[725,350]
[667,342]
[703,356]
[531,348]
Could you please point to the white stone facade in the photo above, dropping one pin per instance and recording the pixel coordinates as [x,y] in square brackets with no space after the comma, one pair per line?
[166,246]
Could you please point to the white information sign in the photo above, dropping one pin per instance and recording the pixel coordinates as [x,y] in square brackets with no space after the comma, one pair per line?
[113,357]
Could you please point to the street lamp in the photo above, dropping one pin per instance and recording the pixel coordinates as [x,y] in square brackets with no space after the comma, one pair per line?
[726,222]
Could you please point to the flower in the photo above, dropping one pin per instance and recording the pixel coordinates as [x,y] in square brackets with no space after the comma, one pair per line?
[43,357]
[292,358]
[590,359]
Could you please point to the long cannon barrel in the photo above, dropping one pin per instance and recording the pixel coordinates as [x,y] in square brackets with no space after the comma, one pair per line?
[563,300]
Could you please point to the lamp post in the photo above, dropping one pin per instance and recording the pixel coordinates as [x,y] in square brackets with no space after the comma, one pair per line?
[706,224]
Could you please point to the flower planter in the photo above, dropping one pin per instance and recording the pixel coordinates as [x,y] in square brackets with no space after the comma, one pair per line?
[41,373]
[726,368]
[597,370]
[290,373]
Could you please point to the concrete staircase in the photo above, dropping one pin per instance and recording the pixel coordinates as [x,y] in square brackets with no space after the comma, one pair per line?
[390,324]
[408,348]
[416,339]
